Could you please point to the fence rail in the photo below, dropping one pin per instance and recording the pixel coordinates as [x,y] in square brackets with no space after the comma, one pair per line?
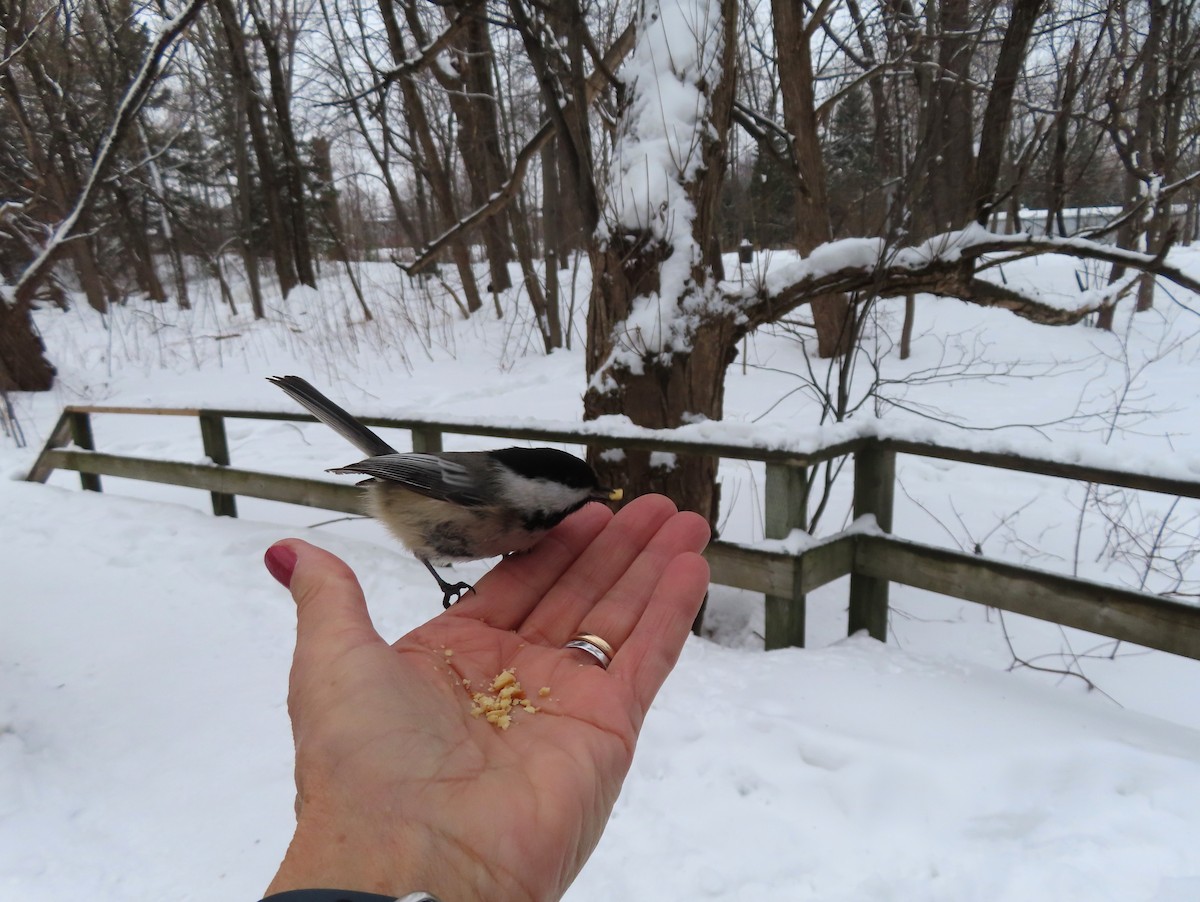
[872,559]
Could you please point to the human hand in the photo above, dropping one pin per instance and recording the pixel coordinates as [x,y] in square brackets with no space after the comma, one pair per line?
[399,788]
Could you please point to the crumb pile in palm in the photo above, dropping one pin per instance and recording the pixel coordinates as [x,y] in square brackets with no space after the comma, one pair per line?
[502,700]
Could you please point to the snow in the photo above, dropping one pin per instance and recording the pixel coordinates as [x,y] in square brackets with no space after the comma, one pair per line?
[145,751]
[675,61]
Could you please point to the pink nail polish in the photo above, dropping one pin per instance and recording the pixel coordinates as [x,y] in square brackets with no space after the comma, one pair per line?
[280,561]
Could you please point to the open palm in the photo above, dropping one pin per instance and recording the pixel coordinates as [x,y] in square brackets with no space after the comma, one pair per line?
[400,787]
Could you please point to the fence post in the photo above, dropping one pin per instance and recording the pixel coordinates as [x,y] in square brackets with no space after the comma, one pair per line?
[216,446]
[427,441]
[785,509]
[81,435]
[874,487]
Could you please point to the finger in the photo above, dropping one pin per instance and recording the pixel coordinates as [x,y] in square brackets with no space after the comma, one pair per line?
[651,650]
[617,613]
[331,612]
[506,595]
[596,570]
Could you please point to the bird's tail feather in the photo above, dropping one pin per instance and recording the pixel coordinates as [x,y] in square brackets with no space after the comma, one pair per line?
[333,416]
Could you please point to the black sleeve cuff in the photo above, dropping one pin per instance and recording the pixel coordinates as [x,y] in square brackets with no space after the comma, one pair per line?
[343,895]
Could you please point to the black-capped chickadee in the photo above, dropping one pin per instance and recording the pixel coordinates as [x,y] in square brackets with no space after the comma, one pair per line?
[458,505]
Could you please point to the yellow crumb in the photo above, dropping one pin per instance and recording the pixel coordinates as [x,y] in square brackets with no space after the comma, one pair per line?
[506,696]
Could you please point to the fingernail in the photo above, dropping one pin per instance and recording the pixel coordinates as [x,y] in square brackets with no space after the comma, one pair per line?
[280,561]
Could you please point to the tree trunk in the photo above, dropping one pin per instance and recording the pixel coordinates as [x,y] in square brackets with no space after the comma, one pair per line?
[676,378]
[443,194]
[476,102]
[1057,180]
[831,313]
[997,117]
[23,363]
[953,155]
[245,216]
[430,165]
[139,254]
[272,185]
[663,395]
[297,224]
[906,331]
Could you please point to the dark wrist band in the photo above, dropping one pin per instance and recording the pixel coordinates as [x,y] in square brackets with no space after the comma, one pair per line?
[343,895]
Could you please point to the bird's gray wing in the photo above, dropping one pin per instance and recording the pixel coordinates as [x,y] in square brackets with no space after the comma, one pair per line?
[431,475]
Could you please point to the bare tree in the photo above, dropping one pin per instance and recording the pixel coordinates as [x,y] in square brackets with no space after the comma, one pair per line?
[1158,49]
[23,365]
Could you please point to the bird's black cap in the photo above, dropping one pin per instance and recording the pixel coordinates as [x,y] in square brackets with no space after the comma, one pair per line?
[549,463]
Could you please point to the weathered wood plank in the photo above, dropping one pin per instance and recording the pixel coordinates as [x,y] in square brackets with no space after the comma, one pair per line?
[822,564]
[1030,464]
[772,572]
[81,435]
[871,560]
[525,433]
[1128,479]
[225,480]
[874,490]
[785,508]
[59,436]
[150,411]
[427,441]
[216,446]
[1137,617]
[769,572]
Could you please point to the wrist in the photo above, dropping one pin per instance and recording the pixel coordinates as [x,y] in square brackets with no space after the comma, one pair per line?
[365,858]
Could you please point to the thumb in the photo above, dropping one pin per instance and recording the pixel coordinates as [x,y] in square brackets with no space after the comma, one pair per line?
[331,612]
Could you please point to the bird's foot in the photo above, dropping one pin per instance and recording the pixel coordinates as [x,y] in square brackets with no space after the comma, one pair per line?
[451,592]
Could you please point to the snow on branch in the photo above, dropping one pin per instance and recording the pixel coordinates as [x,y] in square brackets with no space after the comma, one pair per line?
[947,265]
[135,95]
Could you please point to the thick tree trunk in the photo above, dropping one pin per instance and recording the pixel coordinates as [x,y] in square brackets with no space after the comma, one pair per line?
[23,363]
[831,313]
[662,395]
[678,377]
[953,139]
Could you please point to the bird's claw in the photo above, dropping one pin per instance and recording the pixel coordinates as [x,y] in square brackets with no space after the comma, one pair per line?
[452,592]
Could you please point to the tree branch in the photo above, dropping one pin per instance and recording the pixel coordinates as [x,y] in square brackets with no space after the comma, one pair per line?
[944,266]
[498,201]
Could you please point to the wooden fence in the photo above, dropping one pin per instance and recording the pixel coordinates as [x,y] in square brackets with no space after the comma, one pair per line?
[872,558]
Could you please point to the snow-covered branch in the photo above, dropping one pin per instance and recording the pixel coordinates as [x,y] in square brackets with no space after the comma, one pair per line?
[947,265]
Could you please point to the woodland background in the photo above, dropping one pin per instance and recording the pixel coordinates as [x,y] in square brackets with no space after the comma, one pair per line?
[144,144]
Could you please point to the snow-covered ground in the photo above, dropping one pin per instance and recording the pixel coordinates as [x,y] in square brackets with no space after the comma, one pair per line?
[144,745]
